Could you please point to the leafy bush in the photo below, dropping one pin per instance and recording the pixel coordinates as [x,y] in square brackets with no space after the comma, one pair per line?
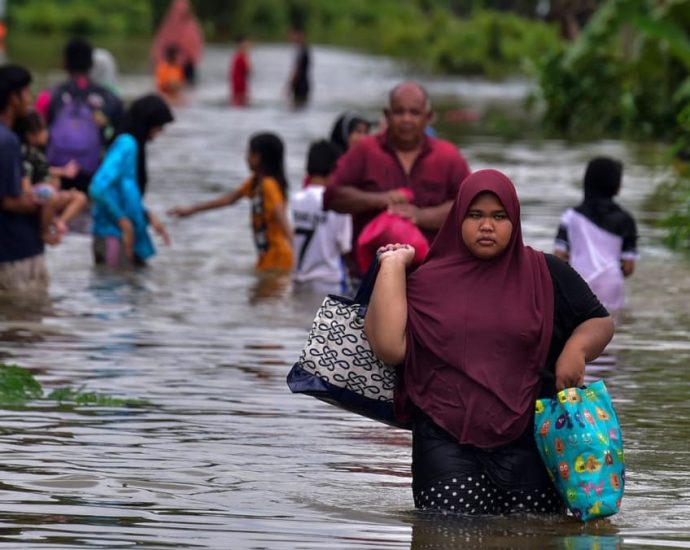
[627,76]
[621,77]
[428,32]
[81,16]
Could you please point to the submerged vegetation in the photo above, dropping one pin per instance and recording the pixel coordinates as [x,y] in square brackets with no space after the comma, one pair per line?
[18,387]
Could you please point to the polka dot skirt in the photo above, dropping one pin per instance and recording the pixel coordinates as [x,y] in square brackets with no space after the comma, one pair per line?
[477,494]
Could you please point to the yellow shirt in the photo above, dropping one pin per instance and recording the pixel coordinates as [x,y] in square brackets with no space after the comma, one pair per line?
[273,245]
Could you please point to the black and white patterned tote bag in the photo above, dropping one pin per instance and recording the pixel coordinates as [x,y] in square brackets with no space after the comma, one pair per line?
[337,364]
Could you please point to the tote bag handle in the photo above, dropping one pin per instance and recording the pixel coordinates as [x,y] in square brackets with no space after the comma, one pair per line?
[367,287]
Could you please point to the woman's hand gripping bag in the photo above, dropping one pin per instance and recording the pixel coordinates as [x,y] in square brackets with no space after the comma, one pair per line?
[579,439]
[388,228]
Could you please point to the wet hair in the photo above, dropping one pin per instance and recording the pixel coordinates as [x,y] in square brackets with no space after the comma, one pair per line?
[145,113]
[270,149]
[78,55]
[30,124]
[394,91]
[321,158]
[344,125]
[13,79]
[602,178]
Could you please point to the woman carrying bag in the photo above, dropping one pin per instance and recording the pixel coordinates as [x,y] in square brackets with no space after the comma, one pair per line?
[476,329]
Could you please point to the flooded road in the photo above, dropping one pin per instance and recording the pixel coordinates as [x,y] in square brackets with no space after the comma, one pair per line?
[217,453]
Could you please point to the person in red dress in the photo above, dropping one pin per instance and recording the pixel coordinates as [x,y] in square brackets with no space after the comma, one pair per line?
[240,69]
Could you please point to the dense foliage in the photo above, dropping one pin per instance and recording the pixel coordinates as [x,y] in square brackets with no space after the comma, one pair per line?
[488,43]
[628,76]
[451,36]
[81,16]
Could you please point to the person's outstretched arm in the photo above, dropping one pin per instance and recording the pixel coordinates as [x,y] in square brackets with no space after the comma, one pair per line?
[386,317]
[224,200]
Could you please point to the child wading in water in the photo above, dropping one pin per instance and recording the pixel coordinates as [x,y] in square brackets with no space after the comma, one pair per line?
[267,189]
[170,73]
[321,238]
[120,219]
[58,206]
[598,237]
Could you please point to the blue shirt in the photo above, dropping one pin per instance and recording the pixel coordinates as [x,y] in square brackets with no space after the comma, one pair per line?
[20,234]
[115,194]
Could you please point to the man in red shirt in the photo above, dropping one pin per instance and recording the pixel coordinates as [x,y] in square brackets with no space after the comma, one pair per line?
[368,177]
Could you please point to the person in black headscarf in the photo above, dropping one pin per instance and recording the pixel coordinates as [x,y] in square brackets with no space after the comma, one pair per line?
[348,129]
[598,237]
[117,189]
[299,83]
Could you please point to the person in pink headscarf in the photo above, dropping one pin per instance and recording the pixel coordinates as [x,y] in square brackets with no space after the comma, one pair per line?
[481,329]
[180,28]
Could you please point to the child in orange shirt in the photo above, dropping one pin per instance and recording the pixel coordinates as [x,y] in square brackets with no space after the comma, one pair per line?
[267,189]
[169,73]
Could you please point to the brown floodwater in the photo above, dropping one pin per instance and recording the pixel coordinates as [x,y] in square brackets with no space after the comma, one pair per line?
[219,454]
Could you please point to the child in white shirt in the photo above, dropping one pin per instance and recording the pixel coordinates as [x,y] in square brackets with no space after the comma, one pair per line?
[599,238]
[320,237]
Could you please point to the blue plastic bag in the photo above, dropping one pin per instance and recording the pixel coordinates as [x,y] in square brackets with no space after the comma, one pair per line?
[579,439]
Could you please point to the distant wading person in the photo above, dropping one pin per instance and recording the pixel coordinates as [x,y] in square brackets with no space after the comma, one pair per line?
[598,237]
[22,263]
[299,83]
[120,219]
[240,70]
[82,116]
[321,238]
[368,178]
[180,28]
[170,77]
[267,189]
[348,129]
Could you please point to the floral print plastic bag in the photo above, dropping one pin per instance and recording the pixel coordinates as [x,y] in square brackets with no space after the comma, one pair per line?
[579,439]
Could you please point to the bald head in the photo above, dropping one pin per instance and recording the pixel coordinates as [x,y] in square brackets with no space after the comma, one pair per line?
[407,115]
[409,88]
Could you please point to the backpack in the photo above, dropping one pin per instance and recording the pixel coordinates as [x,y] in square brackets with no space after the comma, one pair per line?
[74,132]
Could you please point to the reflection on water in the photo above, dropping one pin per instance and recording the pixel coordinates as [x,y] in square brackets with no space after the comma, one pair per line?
[433,532]
[220,454]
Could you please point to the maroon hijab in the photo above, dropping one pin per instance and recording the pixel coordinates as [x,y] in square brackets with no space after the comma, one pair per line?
[478,331]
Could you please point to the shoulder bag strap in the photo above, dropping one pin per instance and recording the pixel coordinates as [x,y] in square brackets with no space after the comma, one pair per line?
[366,288]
